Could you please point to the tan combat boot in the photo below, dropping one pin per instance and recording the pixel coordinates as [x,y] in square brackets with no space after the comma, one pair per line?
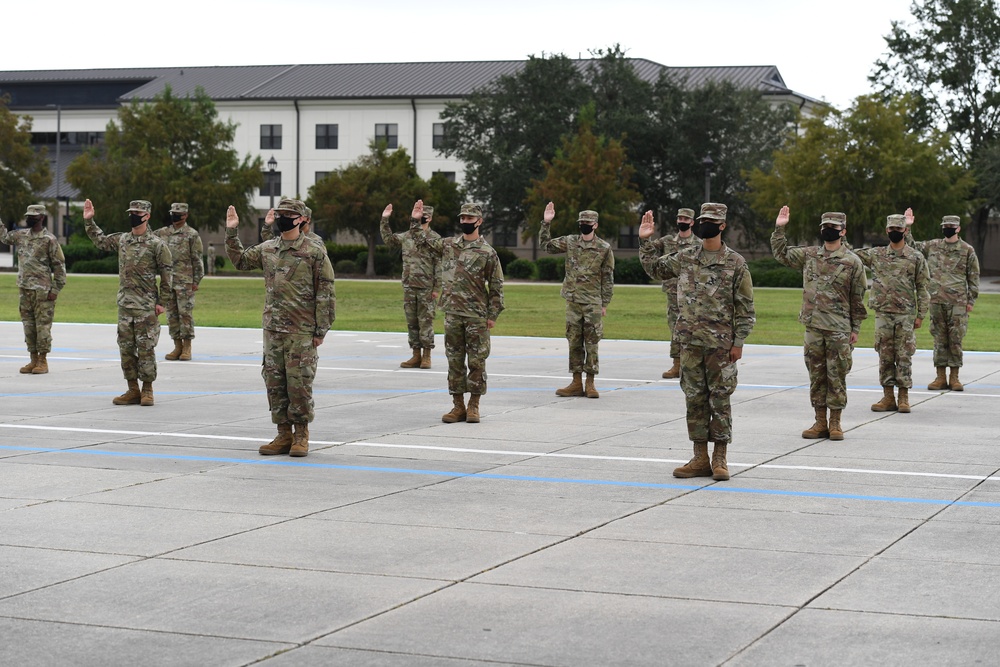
[699,466]
[836,431]
[300,441]
[953,382]
[30,366]
[41,366]
[458,412]
[574,388]
[185,350]
[281,444]
[887,403]
[413,361]
[425,358]
[674,372]
[130,397]
[720,469]
[904,400]
[176,353]
[146,396]
[818,429]
[590,390]
[472,414]
[940,382]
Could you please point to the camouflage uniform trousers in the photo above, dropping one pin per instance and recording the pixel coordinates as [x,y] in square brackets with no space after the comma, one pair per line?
[708,379]
[288,370]
[829,356]
[466,337]
[179,305]
[584,330]
[138,333]
[672,313]
[895,343]
[418,304]
[36,316]
[948,326]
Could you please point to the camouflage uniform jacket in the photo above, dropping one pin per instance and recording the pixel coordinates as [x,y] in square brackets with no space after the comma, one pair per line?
[899,280]
[471,275]
[186,250]
[299,281]
[954,270]
[140,259]
[668,245]
[714,294]
[833,284]
[40,261]
[590,267]
[421,268]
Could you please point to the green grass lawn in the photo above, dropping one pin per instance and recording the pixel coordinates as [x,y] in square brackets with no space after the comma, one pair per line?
[533,309]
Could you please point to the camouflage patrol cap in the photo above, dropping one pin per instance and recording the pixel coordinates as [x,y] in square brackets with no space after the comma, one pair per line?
[951,221]
[475,210]
[178,207]
[428,211]
[685,213]
[308,213]
[839,219]
[36,209]
[587,216]
[710,211]
[292,206]
[139,206]
[895,220]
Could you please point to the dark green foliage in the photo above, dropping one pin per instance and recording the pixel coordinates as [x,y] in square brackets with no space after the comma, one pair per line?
[106,265]
[23,171]
[629,271]
[80,252]
[551,268]
[339,251]
[506,255]
[386,264]
[769,272]
[345,266]
[523,269]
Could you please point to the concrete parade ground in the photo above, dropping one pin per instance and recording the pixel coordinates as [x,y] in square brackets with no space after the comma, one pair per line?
[552,533]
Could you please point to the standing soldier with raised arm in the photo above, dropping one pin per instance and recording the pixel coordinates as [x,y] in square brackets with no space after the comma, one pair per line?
[954,288]
[715,316]
[185,249]
[900,300]
[141,256]
[667,245]
[41,273]
[587,287]
[833,308]
[299,308]
[421,285]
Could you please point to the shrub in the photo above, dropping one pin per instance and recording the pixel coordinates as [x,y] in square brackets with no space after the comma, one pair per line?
[78,252]
[106,265]
[769,272]
[629,271]
[506,256]
[551,268]
[385,264]
[345,266]
[521,268]
[339,251]
[220,262]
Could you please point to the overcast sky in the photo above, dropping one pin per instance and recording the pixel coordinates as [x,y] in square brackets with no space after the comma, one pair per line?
[822,49]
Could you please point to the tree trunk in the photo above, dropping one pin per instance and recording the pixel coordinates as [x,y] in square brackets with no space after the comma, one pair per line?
[370,269]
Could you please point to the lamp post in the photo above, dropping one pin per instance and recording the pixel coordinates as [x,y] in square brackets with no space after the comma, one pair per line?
[272,165]
[58,108]
[708,164]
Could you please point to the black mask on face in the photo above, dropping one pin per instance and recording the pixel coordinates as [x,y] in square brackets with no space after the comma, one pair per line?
[286,224]
[683,226]
[949,232]
[32,221]
[708,230]
[468,227]
[176,217]
[895,236]
[586,228]
[135,219]
[829,234]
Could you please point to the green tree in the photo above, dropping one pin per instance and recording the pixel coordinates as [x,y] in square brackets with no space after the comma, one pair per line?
[172,149]
[587,172]
[947,59]
[23,171]
[866,163]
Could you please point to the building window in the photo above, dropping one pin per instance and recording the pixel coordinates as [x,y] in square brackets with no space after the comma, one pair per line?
[326,136]
[270,136]
[321,176]
[272,184]
[628,237]
[446,175]
[505,236]
[387,132]
[437,140]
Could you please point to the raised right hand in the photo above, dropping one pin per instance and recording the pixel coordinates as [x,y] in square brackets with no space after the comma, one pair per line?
[782,218]
[387,212]
[550,212]
[647,228]
[88,210]
[269,218]
[232,218]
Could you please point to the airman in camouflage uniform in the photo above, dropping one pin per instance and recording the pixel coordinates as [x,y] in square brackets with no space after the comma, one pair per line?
[421,285]
[185,249]
[299,308]
[141,256]
[472,299]
[667,245]
[715,316]
[954,288]
[587,287]
[899,292]
[41,273]
[834,282]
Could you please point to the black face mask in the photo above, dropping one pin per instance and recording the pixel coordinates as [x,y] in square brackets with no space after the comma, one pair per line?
[829,234]
[708,230]
[31,222]
[895,236]
[286,224]
[949,232]
[683,226]
[176,217]
[586,228]
[468,227]
[135,219]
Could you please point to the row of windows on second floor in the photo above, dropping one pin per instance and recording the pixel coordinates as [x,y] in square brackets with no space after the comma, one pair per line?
[272,181]
[328,135]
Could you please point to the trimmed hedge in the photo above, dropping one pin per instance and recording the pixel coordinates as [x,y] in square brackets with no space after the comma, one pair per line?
[385,264]
[521,268]
[551,268]
[345,266]
[506,256]
[769,272]
[106,265]
[339,251]
[629,271]
[86,252]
